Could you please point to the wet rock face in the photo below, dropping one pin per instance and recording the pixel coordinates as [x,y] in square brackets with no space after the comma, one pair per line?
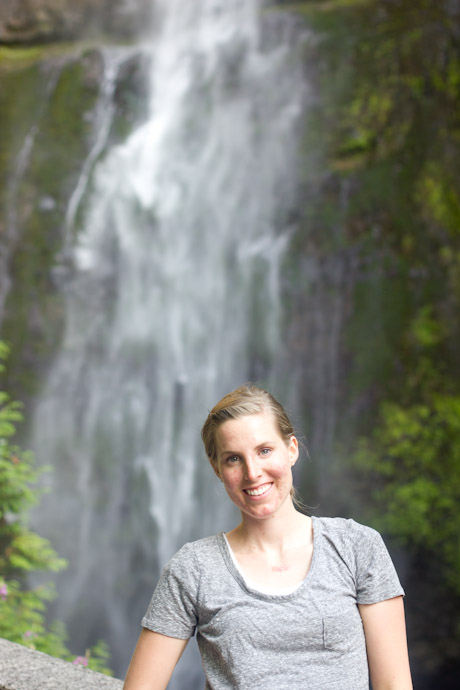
[38,21]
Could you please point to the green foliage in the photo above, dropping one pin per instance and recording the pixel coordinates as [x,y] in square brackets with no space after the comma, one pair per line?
[99,657]
[22,551]
[415,456]
[390,124]
[438,197]
[23,619]
[426,329]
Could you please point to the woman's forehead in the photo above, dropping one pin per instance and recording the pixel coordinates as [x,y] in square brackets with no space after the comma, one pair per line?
[246,429]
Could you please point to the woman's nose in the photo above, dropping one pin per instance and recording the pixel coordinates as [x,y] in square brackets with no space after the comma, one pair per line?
[251,469]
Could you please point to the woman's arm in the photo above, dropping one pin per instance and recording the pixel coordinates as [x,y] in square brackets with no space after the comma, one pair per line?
[153,662]
[386,643]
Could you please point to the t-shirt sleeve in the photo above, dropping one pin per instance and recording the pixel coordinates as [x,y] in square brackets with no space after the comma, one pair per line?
[172,609]
[376,577]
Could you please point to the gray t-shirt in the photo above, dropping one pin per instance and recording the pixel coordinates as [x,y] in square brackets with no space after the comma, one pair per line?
[310,639]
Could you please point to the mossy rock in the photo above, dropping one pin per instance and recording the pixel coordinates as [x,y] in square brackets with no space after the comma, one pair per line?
[47,120]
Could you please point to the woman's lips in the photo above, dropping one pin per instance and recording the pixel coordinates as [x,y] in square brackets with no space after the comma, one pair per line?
[259,490]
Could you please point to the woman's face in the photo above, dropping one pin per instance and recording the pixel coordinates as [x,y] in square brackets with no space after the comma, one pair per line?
[255,464]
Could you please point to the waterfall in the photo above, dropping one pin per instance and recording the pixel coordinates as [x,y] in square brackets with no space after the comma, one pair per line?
[176,239]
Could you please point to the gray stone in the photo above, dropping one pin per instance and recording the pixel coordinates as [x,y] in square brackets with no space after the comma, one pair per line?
[22,668]
[38,21]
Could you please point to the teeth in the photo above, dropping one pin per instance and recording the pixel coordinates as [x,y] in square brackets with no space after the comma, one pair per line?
[258,492]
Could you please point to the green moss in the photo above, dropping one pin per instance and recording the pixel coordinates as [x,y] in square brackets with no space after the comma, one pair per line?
[58,110]
[21,94]
[308,7]
[14,58]
[381,309]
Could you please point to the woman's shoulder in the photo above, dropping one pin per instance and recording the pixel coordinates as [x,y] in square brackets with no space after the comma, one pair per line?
[346,531]
[342,525]
[200,551]
[366,556]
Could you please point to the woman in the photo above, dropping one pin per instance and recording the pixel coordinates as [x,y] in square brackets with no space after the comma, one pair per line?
[283,600]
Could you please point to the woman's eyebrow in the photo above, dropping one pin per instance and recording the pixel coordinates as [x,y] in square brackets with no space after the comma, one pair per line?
[265,443]
[236,452]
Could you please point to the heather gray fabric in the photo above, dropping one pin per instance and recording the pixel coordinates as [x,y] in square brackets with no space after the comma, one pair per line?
[311,639]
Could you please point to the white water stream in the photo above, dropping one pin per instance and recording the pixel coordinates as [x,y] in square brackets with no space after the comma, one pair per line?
[174,299]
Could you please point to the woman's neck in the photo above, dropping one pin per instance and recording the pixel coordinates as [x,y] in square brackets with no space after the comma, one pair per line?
[278,532]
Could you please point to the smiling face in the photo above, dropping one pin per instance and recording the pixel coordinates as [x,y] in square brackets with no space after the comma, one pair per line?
[255,464]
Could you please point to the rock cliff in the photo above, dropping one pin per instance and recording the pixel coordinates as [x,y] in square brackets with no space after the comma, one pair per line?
[43,21]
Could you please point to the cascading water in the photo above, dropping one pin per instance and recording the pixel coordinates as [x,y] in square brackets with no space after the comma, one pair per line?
[174,299]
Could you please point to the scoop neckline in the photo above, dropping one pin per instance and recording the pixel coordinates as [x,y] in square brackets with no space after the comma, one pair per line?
[262,595]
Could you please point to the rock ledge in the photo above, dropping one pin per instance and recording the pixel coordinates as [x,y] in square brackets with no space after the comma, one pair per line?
[22,668]
[43,21]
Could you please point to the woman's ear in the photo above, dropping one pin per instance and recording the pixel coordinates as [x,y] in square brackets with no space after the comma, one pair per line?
[293,450]
[215,467]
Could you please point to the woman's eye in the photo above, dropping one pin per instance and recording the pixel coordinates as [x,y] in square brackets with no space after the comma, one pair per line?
[265,451]
[232,458]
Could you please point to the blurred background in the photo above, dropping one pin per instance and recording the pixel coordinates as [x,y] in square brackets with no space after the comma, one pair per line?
[198,194]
